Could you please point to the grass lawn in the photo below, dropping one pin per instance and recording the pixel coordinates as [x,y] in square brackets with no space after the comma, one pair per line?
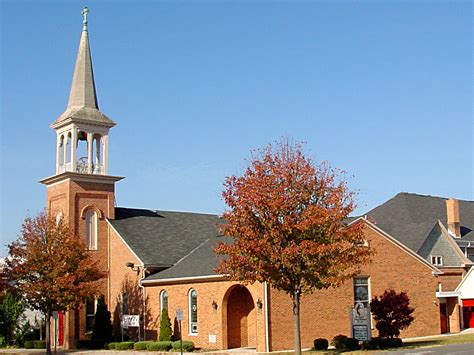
[435,341]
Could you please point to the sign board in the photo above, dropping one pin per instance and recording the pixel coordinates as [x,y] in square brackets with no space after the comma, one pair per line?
[360,317]
[179,314]
[129,320]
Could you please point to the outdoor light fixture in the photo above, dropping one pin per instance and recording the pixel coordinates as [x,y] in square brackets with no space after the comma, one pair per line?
[132,266]
[214,305]
[259,303]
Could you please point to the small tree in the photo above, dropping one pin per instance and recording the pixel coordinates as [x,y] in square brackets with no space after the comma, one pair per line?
[286,216]
[165,326]
[11,309]
[51,267]
[102,329]
[392,313]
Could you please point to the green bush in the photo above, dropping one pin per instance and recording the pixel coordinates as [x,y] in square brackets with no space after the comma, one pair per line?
[352,344]
[111,346]
[339,342]
[165,326]
[29,344]
[39,344]
[383,343]
[159,346]
[126,345]
[321,344]
[188,346]
[141,345]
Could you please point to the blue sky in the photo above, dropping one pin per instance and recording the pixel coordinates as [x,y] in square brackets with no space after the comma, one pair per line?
[380,89]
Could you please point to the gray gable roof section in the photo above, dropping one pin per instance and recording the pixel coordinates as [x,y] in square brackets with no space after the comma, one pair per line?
[200,262]
[162,238]
[410,217]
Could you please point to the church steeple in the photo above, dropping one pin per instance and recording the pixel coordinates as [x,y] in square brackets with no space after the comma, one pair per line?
[82,125]
[83,92]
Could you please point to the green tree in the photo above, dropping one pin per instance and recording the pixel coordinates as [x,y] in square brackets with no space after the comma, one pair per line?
[102,330]
[165,326]
[11,309]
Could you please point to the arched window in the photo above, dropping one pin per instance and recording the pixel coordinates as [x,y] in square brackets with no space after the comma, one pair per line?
[61,151]
[91,230]
[163,300]
[67,158]
[192,305]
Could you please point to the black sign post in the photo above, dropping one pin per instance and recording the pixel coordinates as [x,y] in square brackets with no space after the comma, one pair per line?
[179,317]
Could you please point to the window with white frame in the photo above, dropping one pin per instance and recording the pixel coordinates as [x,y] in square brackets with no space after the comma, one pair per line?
[163,300]
[91,230]
[90,314]
[437,260]
[192,303]
[361,290]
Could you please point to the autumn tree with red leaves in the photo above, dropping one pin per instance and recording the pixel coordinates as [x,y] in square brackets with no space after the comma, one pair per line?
[51,268]
[392,313]
[286,217]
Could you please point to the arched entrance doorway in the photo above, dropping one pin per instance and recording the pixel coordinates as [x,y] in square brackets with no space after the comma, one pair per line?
[241,318]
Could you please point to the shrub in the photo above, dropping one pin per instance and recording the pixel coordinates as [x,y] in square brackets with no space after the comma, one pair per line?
[89,344]
[165,326]
[141,345]
[111,346]
[339,342]
[29,344]
[159,346]
[352,344]
[321,344]
[39,344]
[126,345]
[102,329]
[392,313]
[188,346]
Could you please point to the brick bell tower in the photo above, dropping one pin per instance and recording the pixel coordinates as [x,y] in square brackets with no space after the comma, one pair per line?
[81,191]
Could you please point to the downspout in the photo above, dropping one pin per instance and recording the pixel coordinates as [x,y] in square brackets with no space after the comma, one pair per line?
[144,302]
[267,332]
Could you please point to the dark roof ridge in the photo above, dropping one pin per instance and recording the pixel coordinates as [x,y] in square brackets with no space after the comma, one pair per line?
[429,196]
[168,211]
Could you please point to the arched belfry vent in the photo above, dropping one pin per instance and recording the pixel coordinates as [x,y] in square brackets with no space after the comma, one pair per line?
[82,130]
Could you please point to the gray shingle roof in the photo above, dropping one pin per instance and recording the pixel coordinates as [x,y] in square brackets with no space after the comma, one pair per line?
[200,262]
[410,217]
[162,238]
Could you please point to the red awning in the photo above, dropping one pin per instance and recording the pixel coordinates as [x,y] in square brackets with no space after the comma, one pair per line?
[468,303]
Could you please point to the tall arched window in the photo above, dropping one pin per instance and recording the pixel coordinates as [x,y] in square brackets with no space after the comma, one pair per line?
[163,300]
[192,305]
[67,158]
[61,151]
[91,230]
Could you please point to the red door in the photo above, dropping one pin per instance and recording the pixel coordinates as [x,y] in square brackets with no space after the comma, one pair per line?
[444,319]
[468,313]
[60,328]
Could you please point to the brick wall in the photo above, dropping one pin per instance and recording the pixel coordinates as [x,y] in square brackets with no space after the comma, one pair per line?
[326,313]
[72,198]
[212,323]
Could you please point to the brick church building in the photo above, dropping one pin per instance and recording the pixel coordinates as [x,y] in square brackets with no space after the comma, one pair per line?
[156,259]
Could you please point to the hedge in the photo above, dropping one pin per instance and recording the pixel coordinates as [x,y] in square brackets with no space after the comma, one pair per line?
[188,346]
[126,345]
[141,345]
[159,346]
[39,344]
[29,344]
[111,346]
[342,342]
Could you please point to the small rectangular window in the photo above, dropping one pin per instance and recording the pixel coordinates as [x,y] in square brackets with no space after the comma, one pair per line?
[90,314]
[437,260]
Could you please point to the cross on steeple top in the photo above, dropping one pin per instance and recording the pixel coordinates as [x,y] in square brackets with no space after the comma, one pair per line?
[85,11]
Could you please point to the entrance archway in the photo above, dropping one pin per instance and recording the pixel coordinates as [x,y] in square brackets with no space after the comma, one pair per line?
[241,318]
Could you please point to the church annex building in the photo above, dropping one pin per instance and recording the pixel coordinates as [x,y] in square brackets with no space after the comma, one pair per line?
[157,259]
